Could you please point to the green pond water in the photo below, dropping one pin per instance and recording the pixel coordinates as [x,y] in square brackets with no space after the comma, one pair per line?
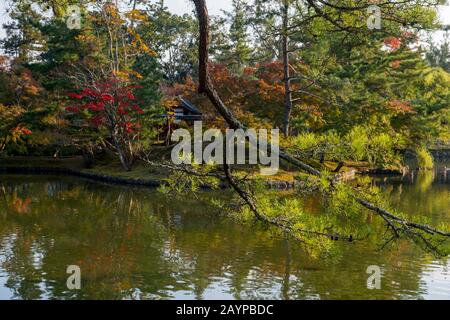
[133,243]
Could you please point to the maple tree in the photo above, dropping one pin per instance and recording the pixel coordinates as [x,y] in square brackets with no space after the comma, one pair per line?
[12,130]
[112,106]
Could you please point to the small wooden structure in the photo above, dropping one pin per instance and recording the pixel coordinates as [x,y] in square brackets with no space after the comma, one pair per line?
[185,111]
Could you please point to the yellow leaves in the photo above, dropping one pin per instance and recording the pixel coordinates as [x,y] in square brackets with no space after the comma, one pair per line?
[424,158]
[27,84]
[136,15]
[9,112]
[85,38]
[169,104]
[111,10]
[144,48]
[122,75]
[126,75]
[131,31]
[136,74]
[18,132]
[51,120]
[139,44]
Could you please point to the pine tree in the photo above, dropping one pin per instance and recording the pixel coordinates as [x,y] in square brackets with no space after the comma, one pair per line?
[238,52]
[438,55]
[23,37]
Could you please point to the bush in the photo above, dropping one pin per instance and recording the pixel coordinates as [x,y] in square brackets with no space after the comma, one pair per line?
[424,159]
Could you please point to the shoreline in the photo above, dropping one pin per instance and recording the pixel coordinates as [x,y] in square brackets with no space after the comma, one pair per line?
[154,183]
[80,174]
[149,183]
[74,167]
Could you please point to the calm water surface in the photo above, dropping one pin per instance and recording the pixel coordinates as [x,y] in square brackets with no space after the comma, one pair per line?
[137,244]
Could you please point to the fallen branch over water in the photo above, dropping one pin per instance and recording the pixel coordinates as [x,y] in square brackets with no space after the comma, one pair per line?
[283,224]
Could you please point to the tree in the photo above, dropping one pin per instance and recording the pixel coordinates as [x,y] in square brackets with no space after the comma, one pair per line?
[174,38]
[438,55]
[112,105]
[23,37]
[298,24]
[237,52]
[274,17]
[52,59]
[123,65]
[11,128]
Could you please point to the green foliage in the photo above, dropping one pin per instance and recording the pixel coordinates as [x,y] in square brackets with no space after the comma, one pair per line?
[359,144]
[424,158]
[237,52]
[190,180]
[9,122]
[23,37]
[438,55]
[174,39]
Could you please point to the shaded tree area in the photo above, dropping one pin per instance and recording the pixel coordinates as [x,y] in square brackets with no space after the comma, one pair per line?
[51,66]
[300,66]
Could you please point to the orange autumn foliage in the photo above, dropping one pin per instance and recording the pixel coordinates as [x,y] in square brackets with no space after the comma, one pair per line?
[256,96]
[400,107]
[393,43]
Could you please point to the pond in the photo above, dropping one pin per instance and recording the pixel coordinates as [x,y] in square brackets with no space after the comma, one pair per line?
[134,243]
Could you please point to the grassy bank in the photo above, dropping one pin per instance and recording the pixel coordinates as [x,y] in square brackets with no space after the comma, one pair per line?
[108,167]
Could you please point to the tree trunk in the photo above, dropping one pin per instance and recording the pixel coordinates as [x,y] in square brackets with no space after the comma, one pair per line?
[206,85]
[124,161]
[287,76]
[124,158]
[339,167]
[203,54]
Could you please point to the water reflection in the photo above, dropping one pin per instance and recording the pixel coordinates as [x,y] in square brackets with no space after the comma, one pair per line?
[136,244]
[421,192]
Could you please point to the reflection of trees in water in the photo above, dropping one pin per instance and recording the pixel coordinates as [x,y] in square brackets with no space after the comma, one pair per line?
[104,232]
[132,243]
[425,193]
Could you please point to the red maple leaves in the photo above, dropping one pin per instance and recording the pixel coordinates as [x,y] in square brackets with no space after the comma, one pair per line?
[21,131]
[393,43]
[109,104]
[401,107]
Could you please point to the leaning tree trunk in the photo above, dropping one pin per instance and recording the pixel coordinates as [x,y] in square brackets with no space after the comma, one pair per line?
[287,76]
